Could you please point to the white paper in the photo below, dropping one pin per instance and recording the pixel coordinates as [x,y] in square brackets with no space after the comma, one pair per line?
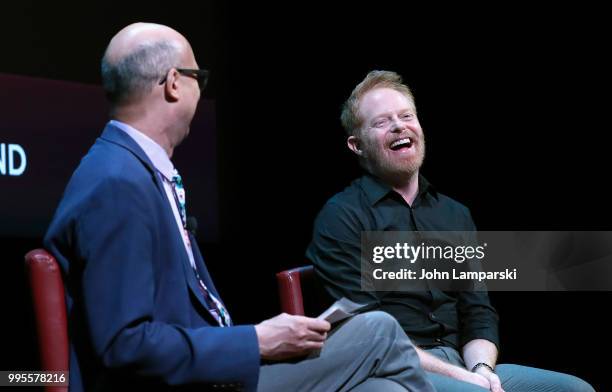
[341,309]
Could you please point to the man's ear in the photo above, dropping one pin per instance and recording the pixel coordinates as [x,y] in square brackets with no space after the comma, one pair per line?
[171,86]
[354,144]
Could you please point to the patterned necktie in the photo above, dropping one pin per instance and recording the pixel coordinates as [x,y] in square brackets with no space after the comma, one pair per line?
[179,193]
[215,306]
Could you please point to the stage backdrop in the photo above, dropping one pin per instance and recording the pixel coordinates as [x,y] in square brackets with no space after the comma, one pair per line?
[47,126]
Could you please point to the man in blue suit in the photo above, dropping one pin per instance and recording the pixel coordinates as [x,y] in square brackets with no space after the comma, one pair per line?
[142,307]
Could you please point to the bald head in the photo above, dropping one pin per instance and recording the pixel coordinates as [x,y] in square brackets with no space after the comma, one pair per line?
[137,57]
[138,35]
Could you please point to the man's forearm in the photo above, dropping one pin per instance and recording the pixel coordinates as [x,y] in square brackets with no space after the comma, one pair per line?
[479,350]
[433,364]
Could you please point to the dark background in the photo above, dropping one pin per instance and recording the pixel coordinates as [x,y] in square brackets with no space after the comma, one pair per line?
[514,104]
[55,122]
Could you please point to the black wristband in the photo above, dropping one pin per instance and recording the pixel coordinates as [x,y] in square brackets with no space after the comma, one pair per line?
[481,364]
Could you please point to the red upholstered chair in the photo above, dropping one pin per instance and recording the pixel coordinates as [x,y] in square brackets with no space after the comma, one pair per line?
[300,293]
[49,311]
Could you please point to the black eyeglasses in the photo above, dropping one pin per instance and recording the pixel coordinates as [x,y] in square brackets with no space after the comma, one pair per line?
[200,74]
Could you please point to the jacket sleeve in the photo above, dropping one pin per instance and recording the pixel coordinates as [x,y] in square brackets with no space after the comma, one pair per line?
[115,238]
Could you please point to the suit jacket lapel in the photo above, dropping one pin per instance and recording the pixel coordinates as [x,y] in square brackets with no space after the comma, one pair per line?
[115,135]
[202,270]
[193,284]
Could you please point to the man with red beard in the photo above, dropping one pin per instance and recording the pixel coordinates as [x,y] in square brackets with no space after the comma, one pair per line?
[456,332]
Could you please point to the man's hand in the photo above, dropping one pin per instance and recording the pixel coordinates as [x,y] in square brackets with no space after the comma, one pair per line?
[493,379]
[286,336]
[473,378]
[482,350]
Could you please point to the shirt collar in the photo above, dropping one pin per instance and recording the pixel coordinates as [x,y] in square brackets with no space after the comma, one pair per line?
[154,151]
[375,189]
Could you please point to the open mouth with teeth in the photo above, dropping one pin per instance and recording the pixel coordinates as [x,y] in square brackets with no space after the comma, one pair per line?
[401,144]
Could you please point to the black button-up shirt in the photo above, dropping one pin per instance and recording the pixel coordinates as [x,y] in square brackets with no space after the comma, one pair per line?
[431,318]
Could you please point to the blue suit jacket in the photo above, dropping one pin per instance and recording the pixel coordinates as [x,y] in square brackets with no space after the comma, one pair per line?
[136,314]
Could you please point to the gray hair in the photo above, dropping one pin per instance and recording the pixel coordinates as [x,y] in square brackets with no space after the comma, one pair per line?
[137,73]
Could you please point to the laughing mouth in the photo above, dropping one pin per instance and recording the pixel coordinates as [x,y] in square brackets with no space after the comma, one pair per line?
[401,143]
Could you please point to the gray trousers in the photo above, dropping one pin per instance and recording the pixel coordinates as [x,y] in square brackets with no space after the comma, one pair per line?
[514,378]
[369,352]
